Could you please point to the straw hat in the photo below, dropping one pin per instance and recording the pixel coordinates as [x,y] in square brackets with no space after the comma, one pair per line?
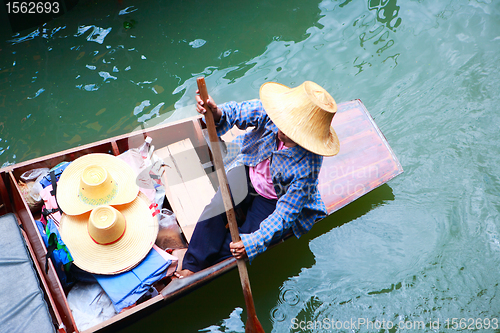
[304,114]
[93,180]
[110,240]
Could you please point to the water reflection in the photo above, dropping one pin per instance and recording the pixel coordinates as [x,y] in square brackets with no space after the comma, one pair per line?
[379,34]
[115,56]
[415,259]
[232,324]
[387,12]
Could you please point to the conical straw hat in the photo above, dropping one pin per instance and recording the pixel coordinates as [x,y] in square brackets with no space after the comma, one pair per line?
[304,114]
[93,180]
[110,240]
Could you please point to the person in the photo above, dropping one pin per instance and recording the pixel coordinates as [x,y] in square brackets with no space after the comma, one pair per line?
[275,189]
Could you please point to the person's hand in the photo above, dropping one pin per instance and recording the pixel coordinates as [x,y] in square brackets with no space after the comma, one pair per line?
[200,107]
[238,250]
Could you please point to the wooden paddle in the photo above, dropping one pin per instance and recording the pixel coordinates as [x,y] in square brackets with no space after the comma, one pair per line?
[252,324]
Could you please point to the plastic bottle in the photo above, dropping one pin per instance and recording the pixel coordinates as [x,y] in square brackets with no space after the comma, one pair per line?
[144,148]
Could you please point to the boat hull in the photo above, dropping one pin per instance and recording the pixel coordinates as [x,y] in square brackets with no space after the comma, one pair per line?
[365,161]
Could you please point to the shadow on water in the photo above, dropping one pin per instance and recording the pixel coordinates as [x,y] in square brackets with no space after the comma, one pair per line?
[291,257]
[267,274]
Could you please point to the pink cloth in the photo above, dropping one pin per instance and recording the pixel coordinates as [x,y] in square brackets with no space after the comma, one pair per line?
[260,176]
[50,203]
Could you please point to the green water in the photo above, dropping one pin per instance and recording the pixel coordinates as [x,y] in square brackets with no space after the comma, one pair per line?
[424,247]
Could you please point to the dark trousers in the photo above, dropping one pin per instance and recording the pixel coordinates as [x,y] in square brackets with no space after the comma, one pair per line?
[211,237]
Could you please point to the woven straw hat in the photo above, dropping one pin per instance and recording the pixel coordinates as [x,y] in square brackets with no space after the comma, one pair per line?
[93,180]
[304,114]
[110,240]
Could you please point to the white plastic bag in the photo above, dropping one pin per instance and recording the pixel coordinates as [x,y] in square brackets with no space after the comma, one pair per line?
[90,305]
[34,176]
[141,164]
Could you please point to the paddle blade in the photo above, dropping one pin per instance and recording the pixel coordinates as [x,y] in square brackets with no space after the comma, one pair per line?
[253,325]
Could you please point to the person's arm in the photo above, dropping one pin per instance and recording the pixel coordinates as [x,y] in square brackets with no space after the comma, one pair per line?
[243,115]
[302,192]
[286,213]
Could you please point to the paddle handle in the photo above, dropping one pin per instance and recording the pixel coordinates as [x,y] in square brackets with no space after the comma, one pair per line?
[218,163]
[252,324]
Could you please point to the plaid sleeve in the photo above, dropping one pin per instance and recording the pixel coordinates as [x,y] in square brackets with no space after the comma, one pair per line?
[242,115]
[259,240]
[287,211]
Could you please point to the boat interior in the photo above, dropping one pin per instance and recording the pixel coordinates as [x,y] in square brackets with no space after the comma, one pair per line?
[14,206]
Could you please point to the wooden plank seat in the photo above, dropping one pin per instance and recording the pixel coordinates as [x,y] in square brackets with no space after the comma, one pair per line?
[187,187]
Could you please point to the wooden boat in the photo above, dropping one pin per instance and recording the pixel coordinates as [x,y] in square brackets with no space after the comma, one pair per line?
[365,162]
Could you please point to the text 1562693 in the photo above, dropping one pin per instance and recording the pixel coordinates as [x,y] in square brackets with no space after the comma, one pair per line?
[32,7]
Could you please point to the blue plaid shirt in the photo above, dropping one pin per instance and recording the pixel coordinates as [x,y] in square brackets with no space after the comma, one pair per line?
[294,172]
